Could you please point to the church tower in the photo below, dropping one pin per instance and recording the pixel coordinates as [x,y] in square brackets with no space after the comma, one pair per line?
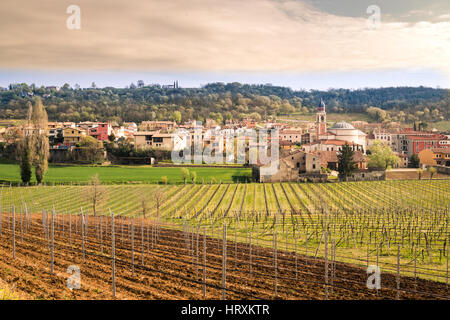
[321,120]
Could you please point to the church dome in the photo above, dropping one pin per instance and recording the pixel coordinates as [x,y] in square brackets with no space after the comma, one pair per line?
[342,125]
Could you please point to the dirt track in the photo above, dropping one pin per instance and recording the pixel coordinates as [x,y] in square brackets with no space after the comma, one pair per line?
[169,270]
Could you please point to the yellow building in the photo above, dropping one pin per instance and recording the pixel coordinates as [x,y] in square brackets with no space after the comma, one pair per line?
[435,156]
[153,139]
[73,135]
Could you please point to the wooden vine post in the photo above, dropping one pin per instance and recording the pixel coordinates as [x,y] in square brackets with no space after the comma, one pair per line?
[113,253]
[14,233]
[326,264]
[398,273]
[204,262]
[224,262]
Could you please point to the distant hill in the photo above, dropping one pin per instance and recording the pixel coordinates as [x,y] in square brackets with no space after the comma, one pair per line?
[220,101]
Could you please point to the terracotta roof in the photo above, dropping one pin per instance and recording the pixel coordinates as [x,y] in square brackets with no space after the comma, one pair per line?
[337,142]
[331,156]
[146,133]
[433,137]
[441,150]
[291,132]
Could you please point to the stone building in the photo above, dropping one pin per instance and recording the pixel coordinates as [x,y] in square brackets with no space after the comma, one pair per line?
[292,166]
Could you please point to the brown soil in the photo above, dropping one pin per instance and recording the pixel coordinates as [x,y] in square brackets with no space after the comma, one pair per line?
[169,269]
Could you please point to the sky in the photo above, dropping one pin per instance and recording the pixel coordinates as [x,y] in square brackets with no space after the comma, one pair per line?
[302,44]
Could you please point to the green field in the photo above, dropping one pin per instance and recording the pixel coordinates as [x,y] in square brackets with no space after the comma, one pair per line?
[126,174]
[363,219]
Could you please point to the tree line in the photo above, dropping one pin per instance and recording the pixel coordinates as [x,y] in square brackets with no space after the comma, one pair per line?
[220,101]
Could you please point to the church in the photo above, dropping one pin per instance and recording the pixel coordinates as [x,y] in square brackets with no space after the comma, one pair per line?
[334,138]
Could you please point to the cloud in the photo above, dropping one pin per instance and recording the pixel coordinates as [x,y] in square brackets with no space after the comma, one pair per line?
[212,35]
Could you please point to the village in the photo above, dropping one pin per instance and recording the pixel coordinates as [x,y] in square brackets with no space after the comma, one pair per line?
[308,149]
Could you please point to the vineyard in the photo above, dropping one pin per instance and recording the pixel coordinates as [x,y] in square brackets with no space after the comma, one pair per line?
[234,241]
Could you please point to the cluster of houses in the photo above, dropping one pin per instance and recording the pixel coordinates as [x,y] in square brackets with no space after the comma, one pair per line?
[307,148]
[67,134]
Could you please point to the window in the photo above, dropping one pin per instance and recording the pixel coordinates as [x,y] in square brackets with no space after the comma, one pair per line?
[314,166]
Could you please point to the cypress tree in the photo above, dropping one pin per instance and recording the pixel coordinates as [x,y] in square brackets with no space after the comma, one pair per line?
[346,164]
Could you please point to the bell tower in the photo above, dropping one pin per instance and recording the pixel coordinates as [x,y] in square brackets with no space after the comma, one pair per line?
[321,120]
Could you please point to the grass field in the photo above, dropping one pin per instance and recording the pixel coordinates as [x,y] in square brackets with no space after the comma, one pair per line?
[119,174]
[365,220]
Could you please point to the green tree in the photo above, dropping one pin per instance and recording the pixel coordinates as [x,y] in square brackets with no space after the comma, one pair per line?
[431,170]
[91,150]
[193,176]
[382,156]
[420,172]
[414,161]
[185,174]
[346,164]
[41,147]
[176,116]
[24,151]
[112,137]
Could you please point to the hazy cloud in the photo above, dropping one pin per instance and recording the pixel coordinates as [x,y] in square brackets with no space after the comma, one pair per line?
[216,35]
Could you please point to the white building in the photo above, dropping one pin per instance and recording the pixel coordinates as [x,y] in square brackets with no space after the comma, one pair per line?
[344,131]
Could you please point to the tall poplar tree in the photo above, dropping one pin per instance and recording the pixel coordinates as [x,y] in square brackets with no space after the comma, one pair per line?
[41,154]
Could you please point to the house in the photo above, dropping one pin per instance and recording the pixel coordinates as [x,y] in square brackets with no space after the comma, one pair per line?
[291,166]
[68,124]
[119,131]
[100,131]
[73,135]
[418,143]
[329,159]
[404,160]
[383,135]
[153,139]
[286,145]
[130,126]
[412,142]
[294,136]
[157,125]
[55,88]
[54,128]
[86,125]
[435,156]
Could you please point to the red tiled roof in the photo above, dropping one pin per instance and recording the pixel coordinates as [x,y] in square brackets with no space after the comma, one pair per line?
[441,150]
[331,156]
[433,137]
[337,142]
